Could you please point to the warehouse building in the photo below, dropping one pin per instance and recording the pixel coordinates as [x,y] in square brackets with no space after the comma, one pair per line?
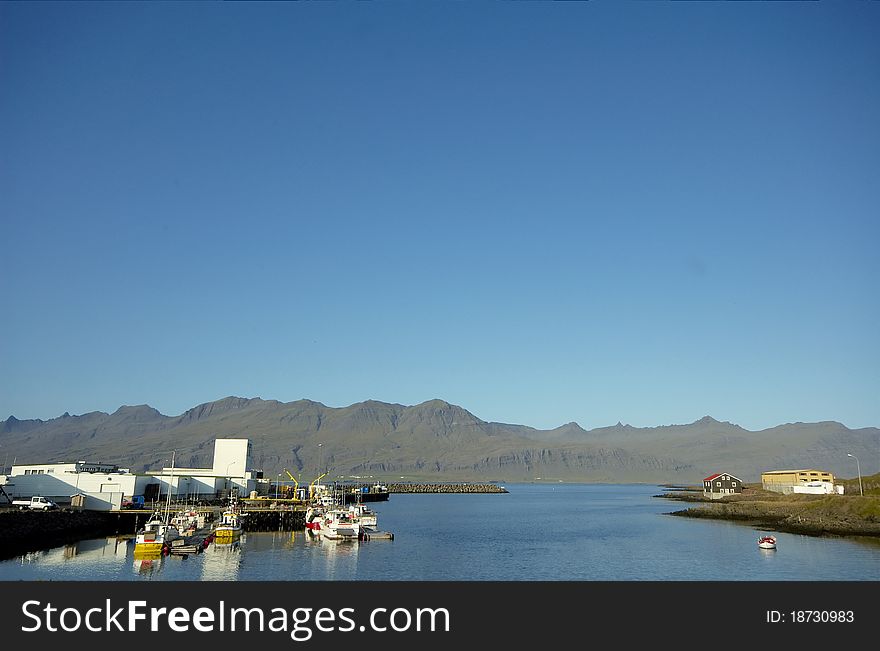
[107,486]
[809,480]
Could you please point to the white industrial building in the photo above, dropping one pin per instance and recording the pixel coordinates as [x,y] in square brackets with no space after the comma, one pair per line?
[106,486]
[232,458]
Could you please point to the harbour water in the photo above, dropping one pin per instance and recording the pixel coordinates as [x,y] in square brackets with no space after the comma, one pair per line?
[560,532]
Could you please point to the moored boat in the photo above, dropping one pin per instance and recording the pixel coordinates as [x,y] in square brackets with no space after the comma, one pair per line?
[155,536]
[229,526]
[188,521]
[333,524]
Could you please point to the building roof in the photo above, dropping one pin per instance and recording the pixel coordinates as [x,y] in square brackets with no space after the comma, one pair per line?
[718,474]
[780,472]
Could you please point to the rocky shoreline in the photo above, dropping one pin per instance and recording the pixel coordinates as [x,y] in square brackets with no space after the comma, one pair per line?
[446,488]
[814,515]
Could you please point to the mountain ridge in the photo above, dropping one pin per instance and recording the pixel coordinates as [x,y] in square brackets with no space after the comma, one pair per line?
[433,439]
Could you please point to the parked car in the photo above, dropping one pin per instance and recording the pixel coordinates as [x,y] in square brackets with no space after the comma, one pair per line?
[133,502]
[36,503]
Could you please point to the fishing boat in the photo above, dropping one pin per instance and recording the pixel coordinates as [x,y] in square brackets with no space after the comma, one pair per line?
[334,523]
[155,535]
[158,532]
[767,542]
[188,521]
[364,514]
[328,518]
[229,526]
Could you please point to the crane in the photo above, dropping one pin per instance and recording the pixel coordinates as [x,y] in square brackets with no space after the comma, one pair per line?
[295,482]
[311,486]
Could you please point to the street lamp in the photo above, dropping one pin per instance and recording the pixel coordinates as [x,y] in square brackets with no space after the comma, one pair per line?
[276,485]
[859,469]
[228,478]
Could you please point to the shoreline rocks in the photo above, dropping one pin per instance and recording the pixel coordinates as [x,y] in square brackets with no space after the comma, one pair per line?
[818,515]
[446,488]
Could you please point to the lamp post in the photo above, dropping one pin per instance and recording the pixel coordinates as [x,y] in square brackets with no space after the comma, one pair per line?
[276,485]
[228,478]
[170,484]
[859,469]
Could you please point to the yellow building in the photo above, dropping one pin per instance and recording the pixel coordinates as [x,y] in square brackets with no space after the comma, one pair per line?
[785,481]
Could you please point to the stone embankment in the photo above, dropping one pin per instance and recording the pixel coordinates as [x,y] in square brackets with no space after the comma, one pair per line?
[816,515]
[446,488]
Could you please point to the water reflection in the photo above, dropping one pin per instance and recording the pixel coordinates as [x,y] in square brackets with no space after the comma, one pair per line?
[106,550]
[147,566]
[335,559]
[222,560]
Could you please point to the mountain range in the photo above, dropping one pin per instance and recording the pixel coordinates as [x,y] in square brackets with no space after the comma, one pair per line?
[434,440]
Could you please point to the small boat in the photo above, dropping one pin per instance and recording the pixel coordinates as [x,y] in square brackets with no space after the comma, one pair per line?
[188,522]
[336,523]
[155,536]
[364,514]
[767,542]
[229,526]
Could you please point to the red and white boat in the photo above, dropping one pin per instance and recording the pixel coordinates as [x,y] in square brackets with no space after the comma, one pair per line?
[767,542]
[333,524]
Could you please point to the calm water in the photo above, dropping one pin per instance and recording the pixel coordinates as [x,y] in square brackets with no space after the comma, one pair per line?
[536,532]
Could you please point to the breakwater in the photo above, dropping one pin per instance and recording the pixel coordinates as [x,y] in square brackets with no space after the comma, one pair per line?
[445,488]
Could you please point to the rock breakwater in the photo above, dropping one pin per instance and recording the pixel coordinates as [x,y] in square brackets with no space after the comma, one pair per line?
[446,488]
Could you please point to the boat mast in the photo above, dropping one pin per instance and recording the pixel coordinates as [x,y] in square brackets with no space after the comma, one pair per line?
[170,483]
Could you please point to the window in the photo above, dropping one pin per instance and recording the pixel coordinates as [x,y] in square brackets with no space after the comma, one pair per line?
[733,484]
[718,483]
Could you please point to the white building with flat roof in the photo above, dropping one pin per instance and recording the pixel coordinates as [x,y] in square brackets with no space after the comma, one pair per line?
[110,485]
[61,481]
[232,458]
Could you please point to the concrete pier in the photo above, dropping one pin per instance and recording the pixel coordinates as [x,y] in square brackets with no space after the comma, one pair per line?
[273,519]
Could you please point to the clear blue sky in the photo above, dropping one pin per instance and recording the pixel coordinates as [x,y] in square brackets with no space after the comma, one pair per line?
[544,212]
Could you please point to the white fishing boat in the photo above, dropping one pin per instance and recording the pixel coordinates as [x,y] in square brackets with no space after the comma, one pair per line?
[327,517]
[334,523]
[188,521]
[365,515]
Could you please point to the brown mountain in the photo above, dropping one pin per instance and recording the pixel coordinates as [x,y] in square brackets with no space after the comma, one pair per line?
[434,440]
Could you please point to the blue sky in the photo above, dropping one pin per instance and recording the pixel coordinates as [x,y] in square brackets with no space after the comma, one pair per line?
[543,212]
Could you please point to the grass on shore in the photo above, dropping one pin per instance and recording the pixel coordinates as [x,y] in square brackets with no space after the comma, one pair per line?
[848,514]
